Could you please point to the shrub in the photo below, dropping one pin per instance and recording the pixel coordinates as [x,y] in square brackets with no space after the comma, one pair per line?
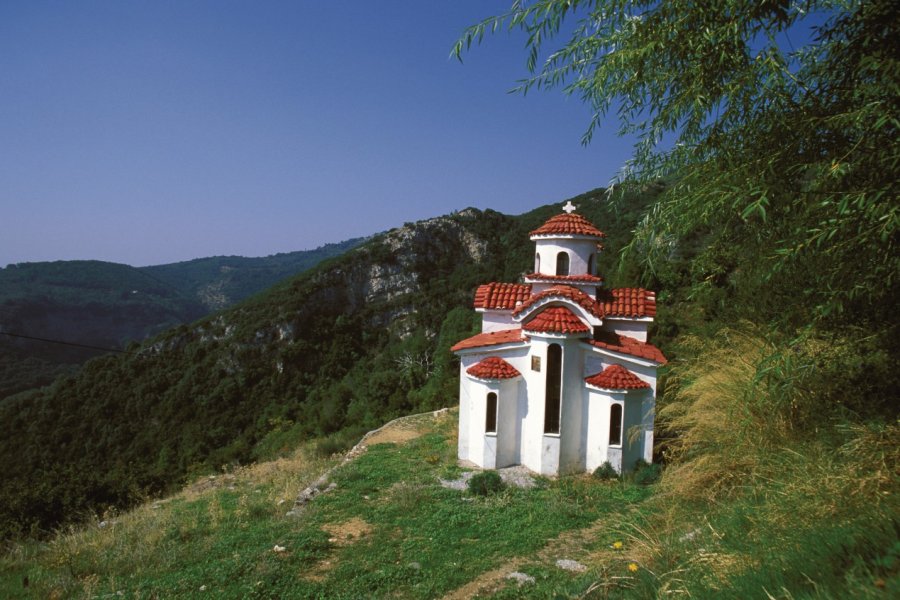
[645,473]
[485,483]
[606,472]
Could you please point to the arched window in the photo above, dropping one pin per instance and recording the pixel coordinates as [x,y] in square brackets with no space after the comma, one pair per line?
[554,389]
[591,265]
[562,263]
[537,262]
[490,422]
[615,425]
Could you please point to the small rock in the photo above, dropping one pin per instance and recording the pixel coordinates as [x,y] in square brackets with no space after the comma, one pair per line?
[690,535]
[282,501]
[203,588]
[414,566]
[103,524]
[521,578]
[278,549]
[570,565]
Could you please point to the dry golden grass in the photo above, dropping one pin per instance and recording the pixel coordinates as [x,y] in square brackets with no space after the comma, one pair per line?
[723,416]
[742,461]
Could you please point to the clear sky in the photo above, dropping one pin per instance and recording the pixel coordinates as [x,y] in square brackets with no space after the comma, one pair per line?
[153,132]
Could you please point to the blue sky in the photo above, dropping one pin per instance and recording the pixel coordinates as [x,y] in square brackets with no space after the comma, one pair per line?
[152,132]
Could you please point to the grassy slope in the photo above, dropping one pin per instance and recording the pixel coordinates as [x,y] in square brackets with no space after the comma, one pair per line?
[387,513]
[390,529]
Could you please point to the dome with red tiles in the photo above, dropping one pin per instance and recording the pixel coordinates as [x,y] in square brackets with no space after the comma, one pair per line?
[567,224]
[493,367]
[617,377]
[562,291]
[556,319]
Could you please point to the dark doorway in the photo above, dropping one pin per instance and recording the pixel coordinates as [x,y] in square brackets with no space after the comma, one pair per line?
[554,389]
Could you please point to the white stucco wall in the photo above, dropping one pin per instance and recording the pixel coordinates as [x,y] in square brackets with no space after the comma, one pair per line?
[631,328]
[464,410]
[598,448]
[497,320]
[579,251]
[582,444]
[572,443]
[508,420]
[531,413]
[633,450]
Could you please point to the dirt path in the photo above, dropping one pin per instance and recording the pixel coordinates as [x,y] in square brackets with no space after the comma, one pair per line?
[571,544]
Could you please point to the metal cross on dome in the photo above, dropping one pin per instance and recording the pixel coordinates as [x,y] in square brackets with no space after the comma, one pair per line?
[569,207]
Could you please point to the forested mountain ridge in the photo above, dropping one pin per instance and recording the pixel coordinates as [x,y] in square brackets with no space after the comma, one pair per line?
[358,339]
[221,281]
[89,307]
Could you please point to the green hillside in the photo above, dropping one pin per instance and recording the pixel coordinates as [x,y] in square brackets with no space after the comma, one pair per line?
[358,339]
[84,306]
[82,309]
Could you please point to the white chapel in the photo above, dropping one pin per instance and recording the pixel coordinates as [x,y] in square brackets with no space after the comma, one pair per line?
[561,378]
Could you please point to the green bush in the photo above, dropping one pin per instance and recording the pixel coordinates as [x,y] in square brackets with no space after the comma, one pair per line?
[645,473]
[485,483]
[606,472]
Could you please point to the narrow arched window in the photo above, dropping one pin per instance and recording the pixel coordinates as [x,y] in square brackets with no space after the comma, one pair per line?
[591,265]
[615,425]
[537,262]
[490,422]
[562,263]
[553,390]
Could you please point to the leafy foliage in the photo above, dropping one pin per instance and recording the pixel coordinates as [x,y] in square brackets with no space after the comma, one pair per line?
[788,157]
[485,483]
[606,472]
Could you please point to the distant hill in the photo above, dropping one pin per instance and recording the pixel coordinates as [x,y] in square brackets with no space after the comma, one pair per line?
[359,338]
[56,315]
[220,281]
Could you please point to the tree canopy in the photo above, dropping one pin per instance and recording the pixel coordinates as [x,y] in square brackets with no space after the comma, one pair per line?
[775,144]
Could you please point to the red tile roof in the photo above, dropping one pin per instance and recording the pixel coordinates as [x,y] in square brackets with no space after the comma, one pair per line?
[556,319]
[567,292]
[565,278]
[628,345]
[493,338]
[628,302]
[493,367]
[501,295]
[617,377]
[568,224]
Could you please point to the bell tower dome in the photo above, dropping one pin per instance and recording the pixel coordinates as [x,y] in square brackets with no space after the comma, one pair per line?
[566,249]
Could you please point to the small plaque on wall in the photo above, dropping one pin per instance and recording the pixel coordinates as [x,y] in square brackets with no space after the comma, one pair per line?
[535,363]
